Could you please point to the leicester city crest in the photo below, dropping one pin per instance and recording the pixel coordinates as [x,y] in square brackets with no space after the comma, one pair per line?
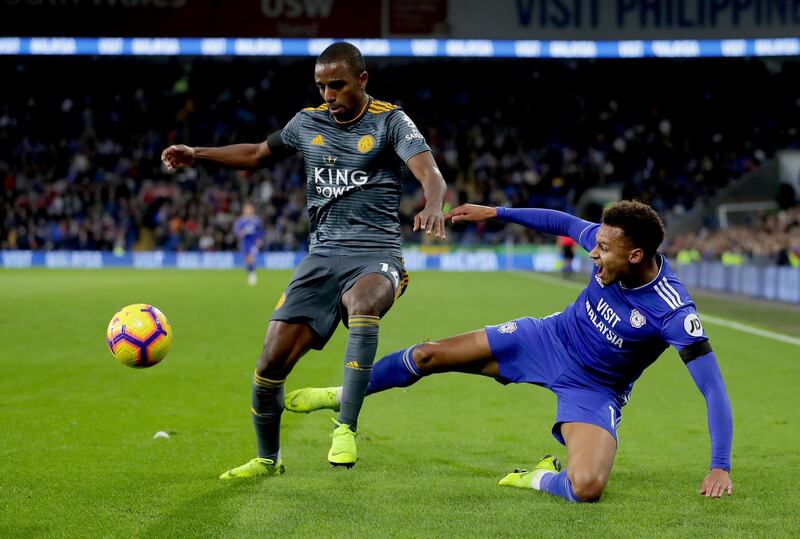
[366,143]
[637,319]
[508,327]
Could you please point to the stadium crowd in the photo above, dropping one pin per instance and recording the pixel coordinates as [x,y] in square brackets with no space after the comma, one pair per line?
[768,238]
[80,168]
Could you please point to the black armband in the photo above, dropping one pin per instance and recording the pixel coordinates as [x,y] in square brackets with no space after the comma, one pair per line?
[278,149]
[695,350]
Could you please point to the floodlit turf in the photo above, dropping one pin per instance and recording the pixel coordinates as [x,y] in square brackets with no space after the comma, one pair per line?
[77,455]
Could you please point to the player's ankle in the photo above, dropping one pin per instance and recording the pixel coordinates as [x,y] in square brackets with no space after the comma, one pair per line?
[536,478]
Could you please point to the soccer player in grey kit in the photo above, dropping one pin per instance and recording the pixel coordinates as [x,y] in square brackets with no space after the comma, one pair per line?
[354,147]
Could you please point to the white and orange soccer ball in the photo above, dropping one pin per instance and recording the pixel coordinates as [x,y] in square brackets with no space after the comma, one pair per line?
[139,336]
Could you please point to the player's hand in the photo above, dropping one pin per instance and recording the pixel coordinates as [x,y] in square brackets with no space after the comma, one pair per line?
[431,220]
[471,213]
[716,483]
[177,156]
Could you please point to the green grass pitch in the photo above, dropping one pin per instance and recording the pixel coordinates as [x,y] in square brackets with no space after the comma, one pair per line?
[77,455]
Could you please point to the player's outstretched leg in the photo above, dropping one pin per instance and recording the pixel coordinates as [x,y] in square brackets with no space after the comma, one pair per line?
[394,370]
[465,353]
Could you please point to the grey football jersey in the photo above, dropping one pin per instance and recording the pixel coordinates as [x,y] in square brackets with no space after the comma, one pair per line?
[353,175]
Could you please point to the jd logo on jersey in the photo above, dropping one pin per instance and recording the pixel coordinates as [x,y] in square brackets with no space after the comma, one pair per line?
[692,325]
[366,143]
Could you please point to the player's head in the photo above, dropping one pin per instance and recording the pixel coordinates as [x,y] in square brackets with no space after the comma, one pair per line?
[629,236]
[342,80]
[248,209]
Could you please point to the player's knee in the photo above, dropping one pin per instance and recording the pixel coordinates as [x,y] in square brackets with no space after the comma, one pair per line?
[364,308]
[424,356]
[369,297]
[366,305]
[587,485]
[271,364]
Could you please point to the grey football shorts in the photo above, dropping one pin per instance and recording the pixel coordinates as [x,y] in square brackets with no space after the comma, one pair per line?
[314,297]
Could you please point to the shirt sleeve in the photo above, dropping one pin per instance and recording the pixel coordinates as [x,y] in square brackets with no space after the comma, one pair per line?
[404,136]
[291,132]
[683,330]
[708,378]
[552,222]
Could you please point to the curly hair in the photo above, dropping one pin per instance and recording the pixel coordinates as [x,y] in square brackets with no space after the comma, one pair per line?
[342,51]
[639,222]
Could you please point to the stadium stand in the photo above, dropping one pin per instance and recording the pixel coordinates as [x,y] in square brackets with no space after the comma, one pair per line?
[79,159]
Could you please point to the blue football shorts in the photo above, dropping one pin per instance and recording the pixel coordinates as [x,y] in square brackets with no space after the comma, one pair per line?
[528,350]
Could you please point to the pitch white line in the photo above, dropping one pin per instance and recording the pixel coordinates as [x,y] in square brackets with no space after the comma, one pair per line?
[550,279]
[744,328]
[751,330]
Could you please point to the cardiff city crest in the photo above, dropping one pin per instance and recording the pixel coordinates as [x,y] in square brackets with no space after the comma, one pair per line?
[508,327]
[637,319]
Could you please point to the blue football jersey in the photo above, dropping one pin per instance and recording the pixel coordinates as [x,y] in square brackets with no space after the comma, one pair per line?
[613,333]
[249,230]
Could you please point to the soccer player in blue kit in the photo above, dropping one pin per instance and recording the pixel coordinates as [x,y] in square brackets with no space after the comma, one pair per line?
[354,149]
[589,355]
[250,231]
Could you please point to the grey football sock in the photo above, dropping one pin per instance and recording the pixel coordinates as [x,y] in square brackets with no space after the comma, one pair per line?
[362,344]
[267,409]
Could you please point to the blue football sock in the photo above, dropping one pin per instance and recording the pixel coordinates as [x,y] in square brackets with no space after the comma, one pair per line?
[394,370]
[558,484]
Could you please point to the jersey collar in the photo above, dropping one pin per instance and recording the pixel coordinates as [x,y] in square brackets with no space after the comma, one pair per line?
[661,265]
[357,117]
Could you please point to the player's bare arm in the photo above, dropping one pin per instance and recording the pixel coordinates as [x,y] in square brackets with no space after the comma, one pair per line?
[471,213]
[431,218]
[241,156]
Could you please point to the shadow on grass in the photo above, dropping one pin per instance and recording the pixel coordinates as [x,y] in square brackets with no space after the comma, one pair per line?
[207,514]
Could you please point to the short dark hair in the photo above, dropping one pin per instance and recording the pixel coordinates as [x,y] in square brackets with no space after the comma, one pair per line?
[342,51]
[639,222]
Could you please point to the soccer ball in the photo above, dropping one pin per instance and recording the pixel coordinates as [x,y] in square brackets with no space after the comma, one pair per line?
[139,336]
